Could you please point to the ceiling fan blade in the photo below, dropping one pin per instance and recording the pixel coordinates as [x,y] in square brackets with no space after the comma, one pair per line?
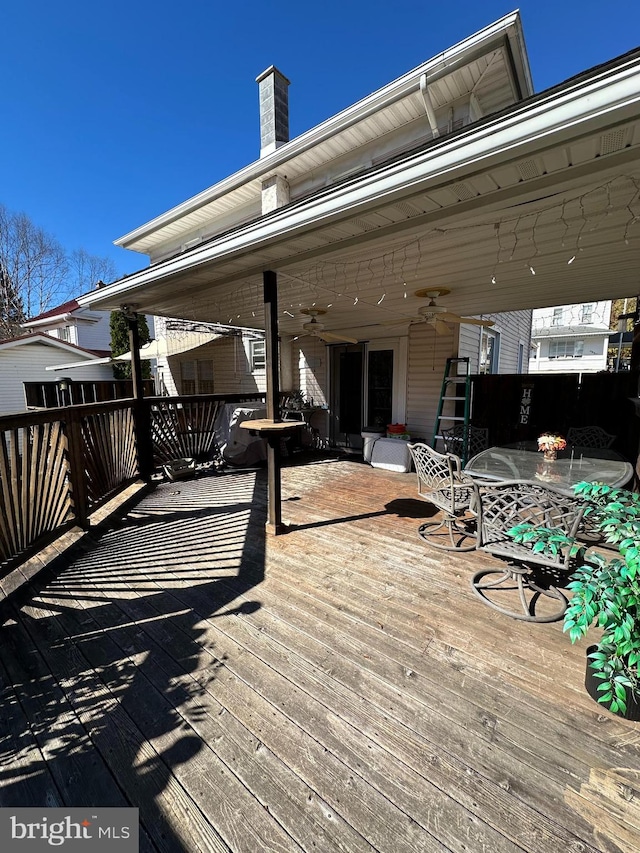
[401,321]
[455,318]
[472,321]
[441,327]
[330,338]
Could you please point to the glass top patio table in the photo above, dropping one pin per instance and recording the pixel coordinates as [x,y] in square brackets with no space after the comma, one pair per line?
[523,461]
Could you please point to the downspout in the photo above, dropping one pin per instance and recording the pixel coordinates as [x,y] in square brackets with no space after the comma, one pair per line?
[428,105]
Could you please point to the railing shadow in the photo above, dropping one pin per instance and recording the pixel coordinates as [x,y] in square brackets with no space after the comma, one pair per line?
[101,705]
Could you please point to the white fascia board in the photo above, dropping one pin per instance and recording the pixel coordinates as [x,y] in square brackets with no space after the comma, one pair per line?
[434,68]
[87,363]
[580,109]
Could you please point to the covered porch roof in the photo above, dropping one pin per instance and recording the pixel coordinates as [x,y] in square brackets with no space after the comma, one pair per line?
[533,206]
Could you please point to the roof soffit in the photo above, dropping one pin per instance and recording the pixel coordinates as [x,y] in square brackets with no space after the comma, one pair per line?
[301,154]
[431,206]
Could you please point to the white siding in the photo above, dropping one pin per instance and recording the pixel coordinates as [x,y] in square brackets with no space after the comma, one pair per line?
[428,353]
[89,334]
[593,360]
[27,363]
[231,371]
[569,317]
[311,359]
[514,328]
[573,315]
[95,335]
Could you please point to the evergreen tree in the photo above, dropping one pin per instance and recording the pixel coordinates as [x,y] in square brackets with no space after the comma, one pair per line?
[11,308]
[119,327]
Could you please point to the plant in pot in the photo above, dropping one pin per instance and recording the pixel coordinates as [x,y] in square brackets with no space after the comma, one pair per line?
[605,594]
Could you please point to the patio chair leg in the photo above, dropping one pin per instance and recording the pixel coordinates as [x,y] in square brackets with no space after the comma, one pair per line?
[451,528]
[513,579]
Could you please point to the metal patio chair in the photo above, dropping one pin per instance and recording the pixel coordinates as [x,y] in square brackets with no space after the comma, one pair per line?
[590,436]
[442,483]
[453,440]
[527,574]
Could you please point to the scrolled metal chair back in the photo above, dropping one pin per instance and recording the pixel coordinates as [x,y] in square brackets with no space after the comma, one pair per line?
[506,504]
[593,437]
[440,478]
[477,440]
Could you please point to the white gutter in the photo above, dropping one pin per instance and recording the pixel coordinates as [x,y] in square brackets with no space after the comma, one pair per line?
[436,67]
[47,321]
[496,141]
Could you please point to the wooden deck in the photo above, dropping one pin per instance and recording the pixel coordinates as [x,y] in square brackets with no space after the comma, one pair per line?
[338,688]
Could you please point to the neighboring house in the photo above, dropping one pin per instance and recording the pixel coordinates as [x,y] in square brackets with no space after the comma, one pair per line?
[570,338]
[208,359]
[25,359]
[455,177]
[73,324]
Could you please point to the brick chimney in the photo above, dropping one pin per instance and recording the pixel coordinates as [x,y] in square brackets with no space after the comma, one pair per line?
[274,110]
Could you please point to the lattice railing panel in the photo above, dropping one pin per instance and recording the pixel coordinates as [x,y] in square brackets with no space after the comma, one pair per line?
[186,429]
[110,454]
[35,493]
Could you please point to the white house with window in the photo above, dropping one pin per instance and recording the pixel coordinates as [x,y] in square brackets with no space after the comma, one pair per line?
[75,325]
[203,358]
[570,338]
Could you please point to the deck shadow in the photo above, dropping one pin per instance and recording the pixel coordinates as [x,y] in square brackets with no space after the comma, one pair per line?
[97,659]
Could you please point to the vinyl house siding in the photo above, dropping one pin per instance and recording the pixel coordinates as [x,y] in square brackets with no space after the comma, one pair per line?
[230,364]
[513,327]
[427,354]
[310,370]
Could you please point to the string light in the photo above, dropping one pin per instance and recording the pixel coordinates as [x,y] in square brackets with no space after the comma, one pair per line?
[566,222]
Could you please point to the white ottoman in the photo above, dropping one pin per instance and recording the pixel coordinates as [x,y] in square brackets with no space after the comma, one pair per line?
[392,454]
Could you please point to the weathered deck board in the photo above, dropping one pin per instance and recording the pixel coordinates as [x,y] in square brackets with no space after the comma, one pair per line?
[339,688]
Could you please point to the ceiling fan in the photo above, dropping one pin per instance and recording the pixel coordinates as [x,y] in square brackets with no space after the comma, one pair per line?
[437,315]
[315,329]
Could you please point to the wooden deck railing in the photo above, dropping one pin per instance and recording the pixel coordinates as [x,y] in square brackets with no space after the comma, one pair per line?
[60,465]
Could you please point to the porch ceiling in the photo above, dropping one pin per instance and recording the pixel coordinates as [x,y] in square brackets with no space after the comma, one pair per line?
[549,218]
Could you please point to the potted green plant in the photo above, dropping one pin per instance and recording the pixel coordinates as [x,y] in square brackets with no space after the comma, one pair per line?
[605,594]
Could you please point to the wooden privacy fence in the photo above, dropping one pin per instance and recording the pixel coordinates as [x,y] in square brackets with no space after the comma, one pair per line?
[519,407]
[59,465]
[50,395]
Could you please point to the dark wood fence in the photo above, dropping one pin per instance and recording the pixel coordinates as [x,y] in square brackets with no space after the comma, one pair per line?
[50,395]
[60,465]
[518,407]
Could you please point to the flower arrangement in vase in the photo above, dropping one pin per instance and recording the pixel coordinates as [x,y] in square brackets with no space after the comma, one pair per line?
[550,443]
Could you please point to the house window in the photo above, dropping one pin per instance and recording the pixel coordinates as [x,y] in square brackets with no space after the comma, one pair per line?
[489,347]
[64,334]
[566,349]
[587,313]
[196,377]
[520,356]
[257,355]
[556,320]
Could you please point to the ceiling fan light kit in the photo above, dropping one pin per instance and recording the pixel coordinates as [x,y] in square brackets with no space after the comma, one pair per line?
[314,329]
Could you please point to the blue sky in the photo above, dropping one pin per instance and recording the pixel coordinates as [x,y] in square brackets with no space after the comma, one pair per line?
[114,112]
